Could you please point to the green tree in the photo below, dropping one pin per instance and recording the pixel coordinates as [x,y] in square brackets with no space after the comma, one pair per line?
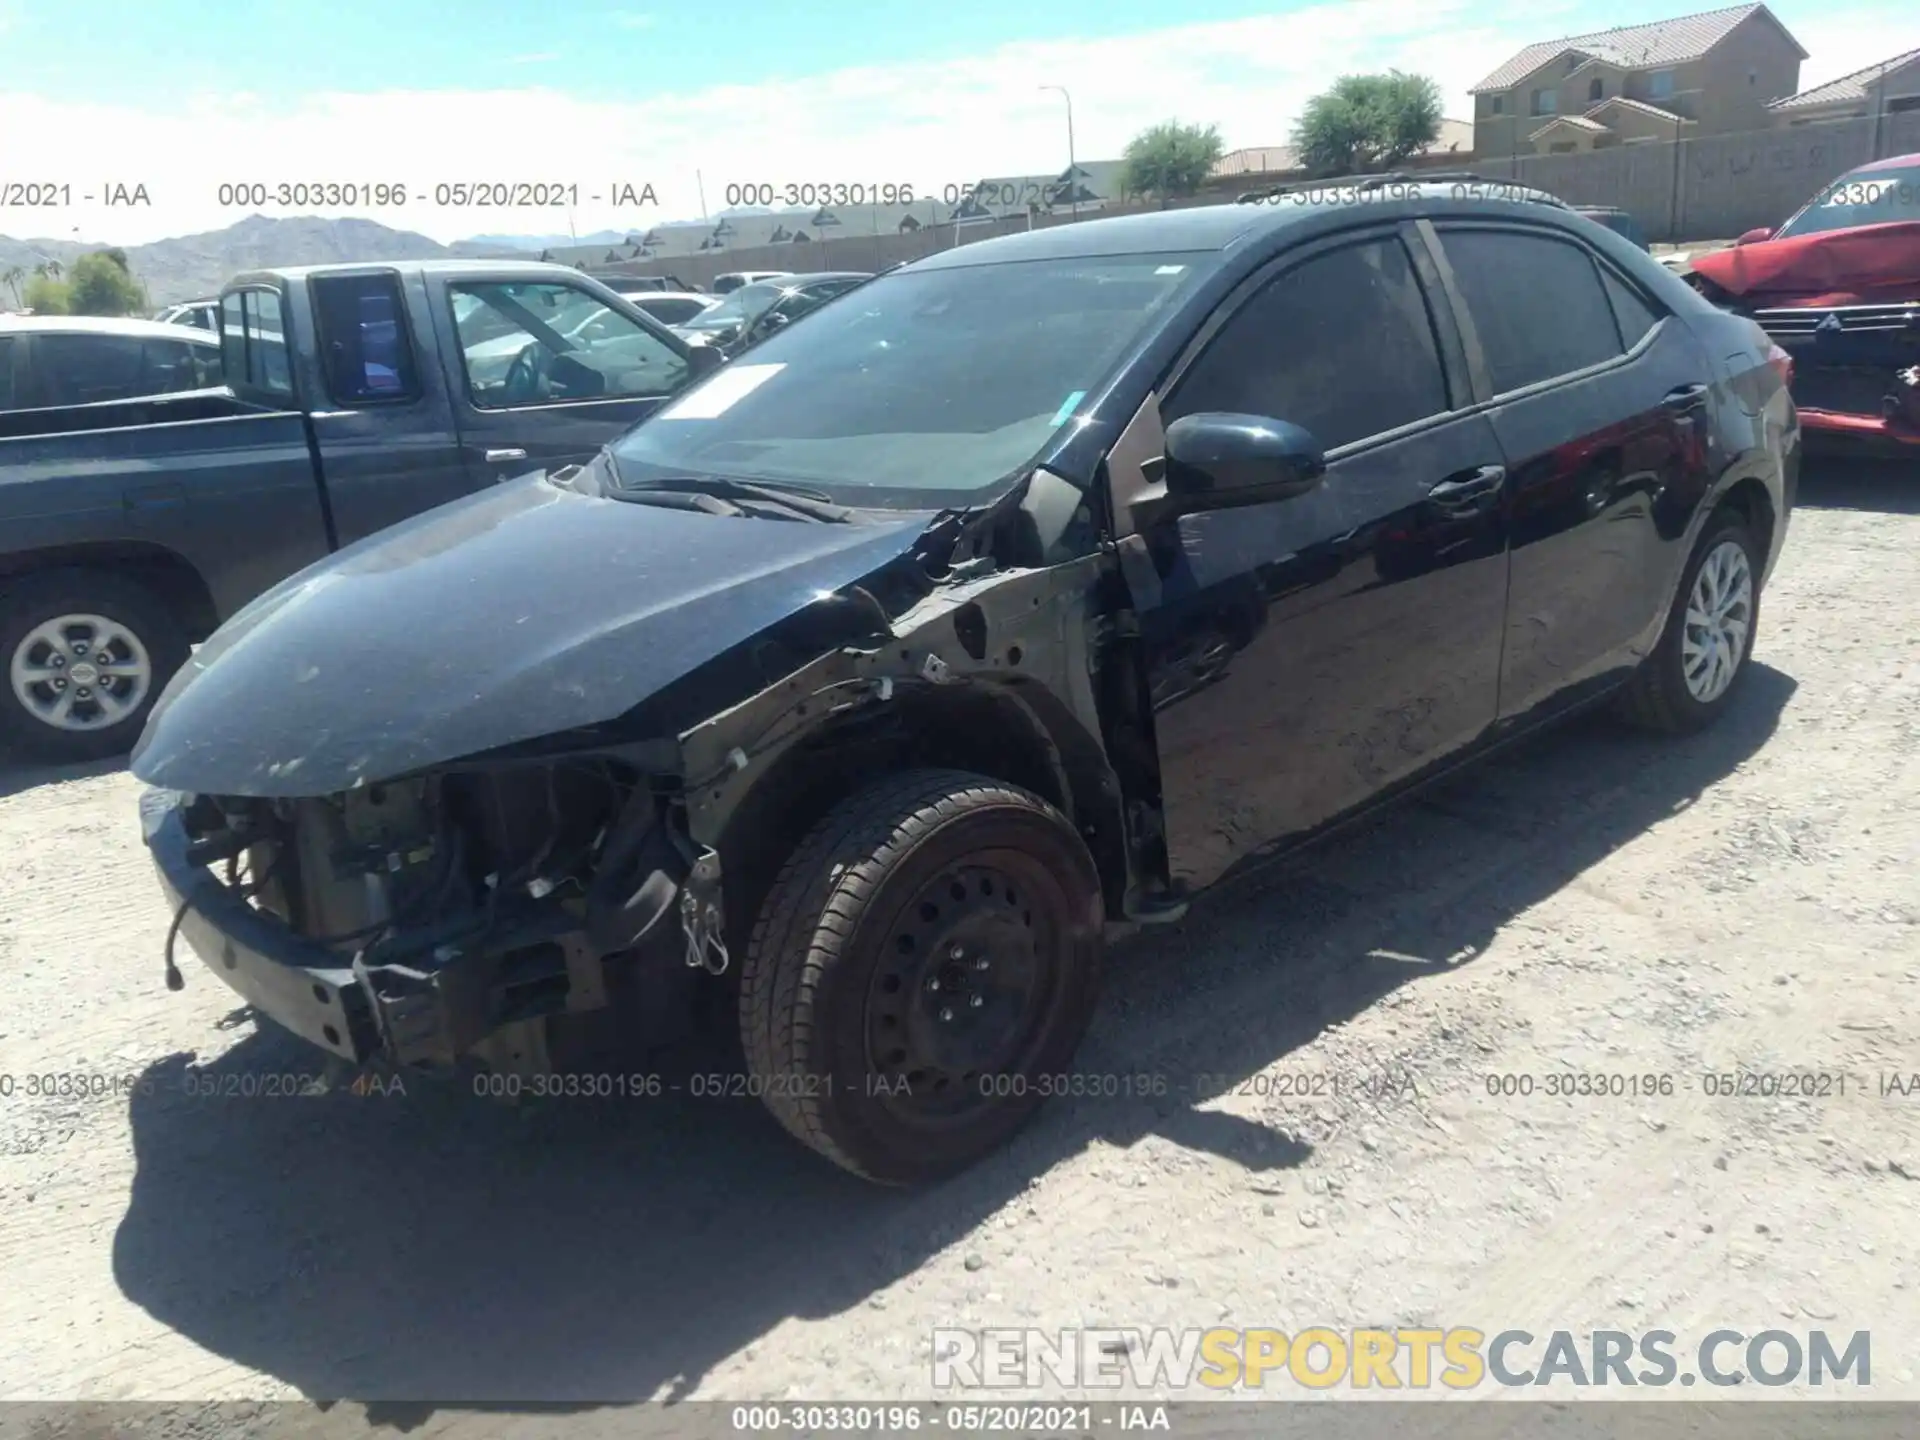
[46,294]
[1169,159]
[1367,123]
[98,285]
[11,279]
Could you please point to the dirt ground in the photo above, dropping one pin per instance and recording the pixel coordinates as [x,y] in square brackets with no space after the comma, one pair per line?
[1596,902]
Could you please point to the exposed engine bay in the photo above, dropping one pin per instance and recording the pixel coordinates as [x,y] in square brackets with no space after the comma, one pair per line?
[463,902]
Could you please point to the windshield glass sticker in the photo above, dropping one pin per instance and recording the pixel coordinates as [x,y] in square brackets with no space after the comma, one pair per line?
[1060,418]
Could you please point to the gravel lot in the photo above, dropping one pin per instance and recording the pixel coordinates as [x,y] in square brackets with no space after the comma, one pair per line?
[1597,901]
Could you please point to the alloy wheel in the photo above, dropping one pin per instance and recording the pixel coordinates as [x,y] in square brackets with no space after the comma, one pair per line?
[1718,620]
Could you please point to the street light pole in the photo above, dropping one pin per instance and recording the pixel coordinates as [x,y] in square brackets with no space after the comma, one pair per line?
[1073,183]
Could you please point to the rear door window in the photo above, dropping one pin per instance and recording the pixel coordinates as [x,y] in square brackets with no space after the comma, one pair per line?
[1536,302]
[88,369]
[6,372]
[364,343]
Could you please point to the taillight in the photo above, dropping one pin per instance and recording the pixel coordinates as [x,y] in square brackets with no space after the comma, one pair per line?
[1781,363]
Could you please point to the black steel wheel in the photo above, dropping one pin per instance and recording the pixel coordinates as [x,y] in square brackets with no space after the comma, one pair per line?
[929,949]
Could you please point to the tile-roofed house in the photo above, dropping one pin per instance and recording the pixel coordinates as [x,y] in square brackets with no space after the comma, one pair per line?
[1716,71]
[1888,87]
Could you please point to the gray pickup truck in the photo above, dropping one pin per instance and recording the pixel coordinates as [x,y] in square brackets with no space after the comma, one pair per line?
[357,396]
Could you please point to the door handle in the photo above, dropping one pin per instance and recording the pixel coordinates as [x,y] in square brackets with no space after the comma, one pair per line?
[1467,486]
[501,457]
[1686,398]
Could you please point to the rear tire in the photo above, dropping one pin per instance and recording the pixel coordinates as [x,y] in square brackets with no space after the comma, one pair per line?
[929,949]
[1694,671]
[59,628]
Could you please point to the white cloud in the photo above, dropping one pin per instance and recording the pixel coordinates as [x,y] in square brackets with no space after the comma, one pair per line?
[932,124]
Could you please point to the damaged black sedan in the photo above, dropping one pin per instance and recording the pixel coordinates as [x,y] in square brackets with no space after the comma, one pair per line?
[872,684]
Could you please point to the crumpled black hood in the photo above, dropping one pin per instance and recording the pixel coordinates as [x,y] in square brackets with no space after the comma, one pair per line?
[519,612]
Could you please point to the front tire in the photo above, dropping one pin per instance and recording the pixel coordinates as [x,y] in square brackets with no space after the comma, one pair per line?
[927,951]
[83,657]
[1691,675]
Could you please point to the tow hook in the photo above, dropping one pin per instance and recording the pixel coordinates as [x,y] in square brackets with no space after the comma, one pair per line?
[701,916]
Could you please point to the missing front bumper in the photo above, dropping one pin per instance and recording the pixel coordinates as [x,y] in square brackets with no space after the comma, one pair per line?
[534,965]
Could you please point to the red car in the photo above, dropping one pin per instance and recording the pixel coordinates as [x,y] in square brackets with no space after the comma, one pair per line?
[1838,288]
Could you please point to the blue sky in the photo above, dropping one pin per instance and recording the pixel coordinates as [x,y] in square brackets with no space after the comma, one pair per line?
[183,94]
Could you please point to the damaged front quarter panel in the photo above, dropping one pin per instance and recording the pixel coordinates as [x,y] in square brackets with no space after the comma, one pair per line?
[1010,659]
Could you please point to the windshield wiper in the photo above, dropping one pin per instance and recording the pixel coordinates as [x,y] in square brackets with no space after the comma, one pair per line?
[798,499]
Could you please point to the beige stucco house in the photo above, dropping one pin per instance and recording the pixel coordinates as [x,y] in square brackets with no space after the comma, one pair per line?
[1713,73]
[1883,89]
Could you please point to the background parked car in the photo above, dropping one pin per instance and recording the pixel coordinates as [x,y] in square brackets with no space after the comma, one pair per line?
[355,397]
[1616,220]
[200,314]
[48,360]
[753,312]
[1837,286]
[672,309]
[733,280]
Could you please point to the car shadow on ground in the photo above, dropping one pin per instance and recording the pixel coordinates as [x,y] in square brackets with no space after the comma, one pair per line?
[441,1248]
[1889,486]
[18,775]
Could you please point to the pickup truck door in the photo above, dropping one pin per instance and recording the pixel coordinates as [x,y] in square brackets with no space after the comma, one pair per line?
[382,418]
[546,372]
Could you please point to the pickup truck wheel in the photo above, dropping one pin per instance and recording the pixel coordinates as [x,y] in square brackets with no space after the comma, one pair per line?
[1691,674]
[86,656]
[927,954]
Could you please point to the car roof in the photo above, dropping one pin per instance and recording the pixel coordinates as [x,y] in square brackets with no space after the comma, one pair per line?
[510,271]
[1222,226]
[815,276]
[102,325]
[1892,162]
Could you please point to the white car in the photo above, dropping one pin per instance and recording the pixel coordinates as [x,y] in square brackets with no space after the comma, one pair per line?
[48,360]
[200,314]
[671,307]
[733,280]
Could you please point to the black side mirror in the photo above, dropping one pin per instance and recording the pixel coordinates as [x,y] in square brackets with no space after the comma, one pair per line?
[703,360]
[1216,461]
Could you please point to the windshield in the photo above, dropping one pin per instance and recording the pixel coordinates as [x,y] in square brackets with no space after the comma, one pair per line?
[920,389]
[742,307]
[1863,197]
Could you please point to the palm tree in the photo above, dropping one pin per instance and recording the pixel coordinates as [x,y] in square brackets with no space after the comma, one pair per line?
[11,279]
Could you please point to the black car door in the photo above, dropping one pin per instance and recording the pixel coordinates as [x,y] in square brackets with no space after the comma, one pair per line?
[1600,402]
[1307,654]
[547,372]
